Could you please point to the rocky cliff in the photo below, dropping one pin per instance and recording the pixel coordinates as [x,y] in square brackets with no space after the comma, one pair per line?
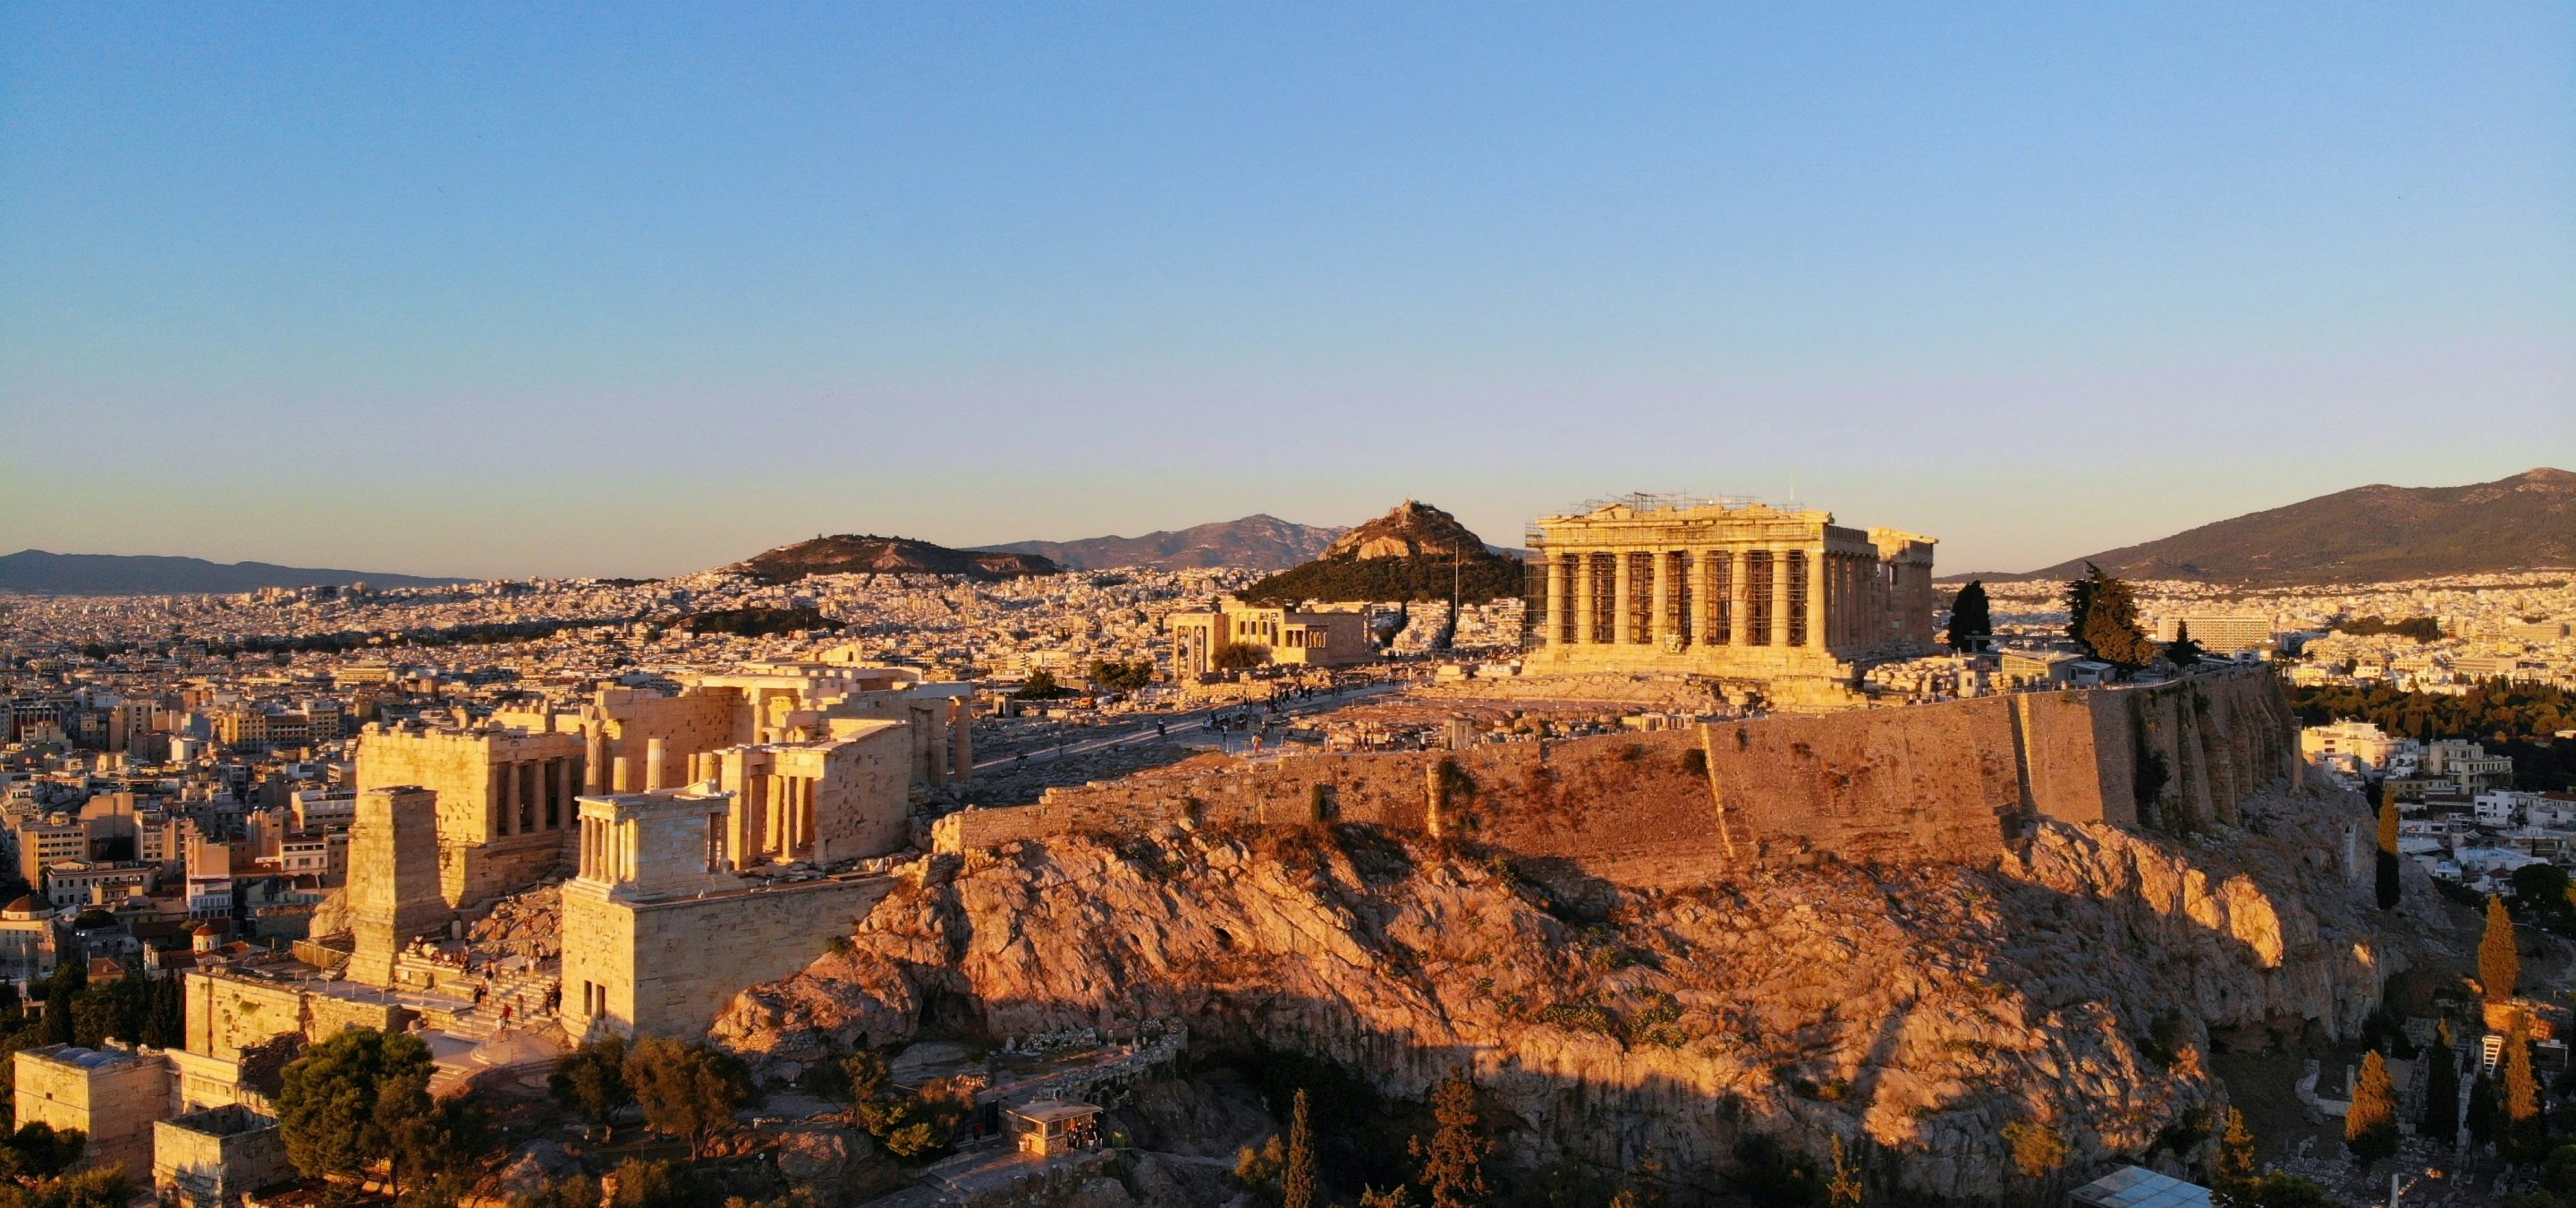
[1912,1010]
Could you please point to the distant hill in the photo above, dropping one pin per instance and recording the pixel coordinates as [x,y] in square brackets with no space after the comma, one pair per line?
[850,554]
[1411,553]
[2377,532]
[36,571]
[1252,543]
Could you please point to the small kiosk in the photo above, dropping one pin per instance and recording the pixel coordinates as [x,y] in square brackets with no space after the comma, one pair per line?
[1047,1127]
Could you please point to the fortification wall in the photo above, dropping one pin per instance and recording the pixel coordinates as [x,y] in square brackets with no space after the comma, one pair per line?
[1950,782]
[667,967]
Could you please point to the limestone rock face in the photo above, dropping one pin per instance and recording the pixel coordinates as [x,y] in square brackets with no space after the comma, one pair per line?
[841,1002]
[331,915]
[1412,530]
[1913,1011]
[535,916]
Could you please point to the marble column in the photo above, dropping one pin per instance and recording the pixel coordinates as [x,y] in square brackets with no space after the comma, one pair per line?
[1580,567]
[505,791]
[1555,601]
[1623,590]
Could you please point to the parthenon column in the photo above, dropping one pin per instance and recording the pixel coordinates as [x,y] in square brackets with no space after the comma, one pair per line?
[1667,599]
[1818,566]
[1779,596]
[1555,601]
[1623,591]
[1580,566]
[594,764]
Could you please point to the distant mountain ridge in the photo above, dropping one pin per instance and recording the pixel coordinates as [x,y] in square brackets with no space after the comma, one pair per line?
[1256,542]
[38,571]
[2377,532]
[866,553]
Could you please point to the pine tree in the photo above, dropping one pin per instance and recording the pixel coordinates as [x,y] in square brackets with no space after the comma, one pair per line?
[2442,1093]
[2370,1126]
[1299,1178]
[2234,1172]
[2183,651]
[1971,616]
[2526,1131]
[2388,866]
[2499,962]
[2102,617]
[1453,1163]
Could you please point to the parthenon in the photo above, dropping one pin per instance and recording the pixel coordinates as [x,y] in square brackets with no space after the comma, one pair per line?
[1784,601]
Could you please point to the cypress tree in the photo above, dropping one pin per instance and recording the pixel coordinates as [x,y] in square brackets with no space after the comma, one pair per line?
[1453,1163]
[2370,1126]
[1971,615]
[2442,1092]
[2499,962]
[2102,617]
[2234,1172]
[2388,886]
[1299,1178]
[2526,1133]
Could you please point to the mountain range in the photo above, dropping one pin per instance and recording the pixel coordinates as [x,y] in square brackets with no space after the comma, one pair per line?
[1258,542]
[37,571]
[2378,532]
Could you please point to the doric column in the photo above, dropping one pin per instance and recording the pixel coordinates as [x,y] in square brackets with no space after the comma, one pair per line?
[657,759]
[1667,595]
[1623,592]
[565,806]
[1779,596]
[1580,567]
[1555,600]
[1816,577]
[594,764]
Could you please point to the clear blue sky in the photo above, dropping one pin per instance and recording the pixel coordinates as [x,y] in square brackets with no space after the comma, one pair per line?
[624,289]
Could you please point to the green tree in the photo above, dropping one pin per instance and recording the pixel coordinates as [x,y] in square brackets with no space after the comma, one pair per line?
[2183,651]
[649,1184]
[2102,617]
[1239,656]
[1453,1162]
[2526,1131]
[2038,1151]
[97,1187]
[2442,1090]
[1041,686]
[908,1126]
[2370,1126]
[326,1109]
[686,1089]
[2499,960]
[1392,1197]
[1298,1180]
[2388,865]
[591,1080]
[1120,677]
[1971,616]
[2234,1170]
[40,1151]
[423,1139]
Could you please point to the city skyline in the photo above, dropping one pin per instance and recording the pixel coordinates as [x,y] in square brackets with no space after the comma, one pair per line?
[479,292]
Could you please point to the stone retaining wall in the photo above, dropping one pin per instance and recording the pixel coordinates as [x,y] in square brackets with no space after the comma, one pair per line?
[1949,782]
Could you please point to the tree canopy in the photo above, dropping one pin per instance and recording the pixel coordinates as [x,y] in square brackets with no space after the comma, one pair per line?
[687,1090]
[2499,960]
[1971,616]
[2102,617]
[327,1110]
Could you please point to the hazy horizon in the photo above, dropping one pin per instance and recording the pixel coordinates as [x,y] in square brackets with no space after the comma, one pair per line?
[479,291]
